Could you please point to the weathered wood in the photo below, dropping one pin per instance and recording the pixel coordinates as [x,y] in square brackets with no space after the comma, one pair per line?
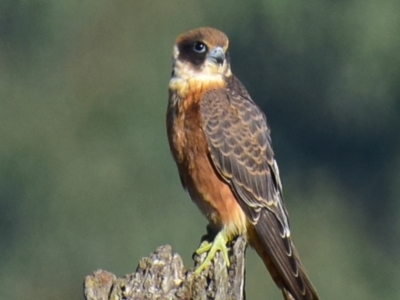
[162,275]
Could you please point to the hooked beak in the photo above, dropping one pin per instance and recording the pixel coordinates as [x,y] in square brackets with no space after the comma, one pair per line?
[217,55]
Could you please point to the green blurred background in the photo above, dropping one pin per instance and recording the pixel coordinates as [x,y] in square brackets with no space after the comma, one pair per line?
[86,178]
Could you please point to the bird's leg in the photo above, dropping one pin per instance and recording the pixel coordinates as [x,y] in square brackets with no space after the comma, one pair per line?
[219,243]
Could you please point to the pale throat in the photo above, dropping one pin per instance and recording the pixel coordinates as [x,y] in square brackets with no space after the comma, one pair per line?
[186,79]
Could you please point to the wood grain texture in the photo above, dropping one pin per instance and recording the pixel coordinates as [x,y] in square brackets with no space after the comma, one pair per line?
[163,276]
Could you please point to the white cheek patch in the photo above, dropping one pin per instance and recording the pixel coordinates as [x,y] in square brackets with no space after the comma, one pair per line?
[186,77]
[185,71]
[175,52]
[208,72]
[198,81]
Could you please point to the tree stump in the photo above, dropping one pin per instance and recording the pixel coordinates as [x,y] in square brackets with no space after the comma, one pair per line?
[162,275]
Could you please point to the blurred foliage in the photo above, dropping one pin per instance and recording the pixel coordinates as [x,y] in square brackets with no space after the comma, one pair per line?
[86,178]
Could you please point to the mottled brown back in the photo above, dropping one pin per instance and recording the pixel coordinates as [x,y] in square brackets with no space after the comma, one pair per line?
[240,148]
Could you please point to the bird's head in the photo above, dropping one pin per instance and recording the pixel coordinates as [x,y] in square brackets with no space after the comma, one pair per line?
[202,55]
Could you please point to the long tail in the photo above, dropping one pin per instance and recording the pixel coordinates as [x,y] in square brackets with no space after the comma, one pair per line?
[281,259]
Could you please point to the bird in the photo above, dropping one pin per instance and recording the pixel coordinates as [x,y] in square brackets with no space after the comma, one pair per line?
[221,144]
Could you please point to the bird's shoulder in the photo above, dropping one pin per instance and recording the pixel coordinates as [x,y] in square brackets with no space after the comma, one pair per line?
[231,109]
[231,97]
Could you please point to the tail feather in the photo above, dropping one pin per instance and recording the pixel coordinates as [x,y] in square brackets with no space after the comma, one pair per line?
[281,259]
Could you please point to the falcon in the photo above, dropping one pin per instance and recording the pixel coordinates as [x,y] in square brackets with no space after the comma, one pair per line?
[221,144]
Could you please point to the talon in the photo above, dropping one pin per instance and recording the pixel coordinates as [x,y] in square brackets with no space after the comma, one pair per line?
[205,247]
[219,244]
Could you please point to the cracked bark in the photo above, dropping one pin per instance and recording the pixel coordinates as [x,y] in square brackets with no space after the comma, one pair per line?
[162,275]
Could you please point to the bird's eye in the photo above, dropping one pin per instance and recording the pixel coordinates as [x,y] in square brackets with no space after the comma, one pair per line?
[199,47]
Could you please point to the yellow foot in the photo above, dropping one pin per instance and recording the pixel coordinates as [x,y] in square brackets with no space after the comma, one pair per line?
[219,243]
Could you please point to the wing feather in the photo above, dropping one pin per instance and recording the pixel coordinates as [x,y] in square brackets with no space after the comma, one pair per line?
[240,148]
